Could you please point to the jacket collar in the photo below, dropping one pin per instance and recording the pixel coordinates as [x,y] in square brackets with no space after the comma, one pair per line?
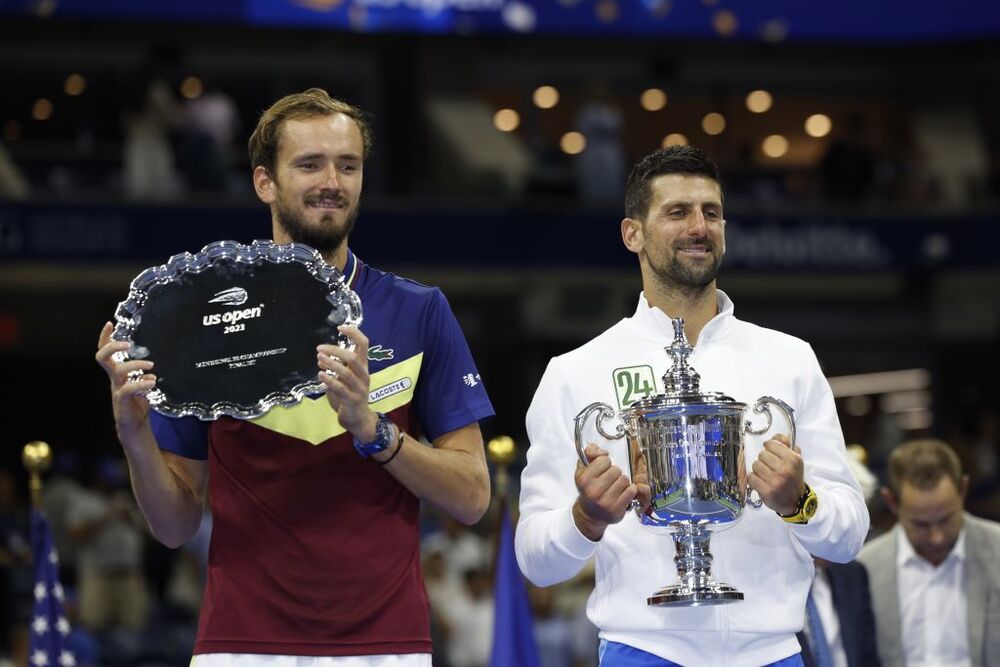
[659,324]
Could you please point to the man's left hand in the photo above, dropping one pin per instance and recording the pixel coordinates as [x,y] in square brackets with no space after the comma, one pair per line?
[347,383]
[778,475]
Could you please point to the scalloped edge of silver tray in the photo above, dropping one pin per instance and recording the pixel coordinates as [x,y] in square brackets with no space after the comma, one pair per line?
[128,315]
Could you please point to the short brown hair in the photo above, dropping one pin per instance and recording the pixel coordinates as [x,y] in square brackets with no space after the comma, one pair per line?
[922,464]
[686,160]
[265,140]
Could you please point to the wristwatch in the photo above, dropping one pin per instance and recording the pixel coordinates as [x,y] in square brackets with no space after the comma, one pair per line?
[806,508]
[384,437]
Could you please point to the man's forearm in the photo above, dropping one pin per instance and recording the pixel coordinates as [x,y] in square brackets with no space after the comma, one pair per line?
[455,480]
[172,506]
[589,527]
[550,547]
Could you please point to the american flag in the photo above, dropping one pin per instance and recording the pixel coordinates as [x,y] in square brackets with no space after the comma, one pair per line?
[514,642]
[49,627]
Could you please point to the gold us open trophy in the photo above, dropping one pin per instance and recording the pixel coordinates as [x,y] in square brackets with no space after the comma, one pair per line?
[692,443]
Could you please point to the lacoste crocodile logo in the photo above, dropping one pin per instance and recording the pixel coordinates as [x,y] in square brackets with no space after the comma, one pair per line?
[378,354]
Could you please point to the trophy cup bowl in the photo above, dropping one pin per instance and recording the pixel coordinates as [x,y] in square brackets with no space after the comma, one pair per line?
[691,445]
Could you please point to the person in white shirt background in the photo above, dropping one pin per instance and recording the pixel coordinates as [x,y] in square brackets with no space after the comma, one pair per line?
[935,578]
[840,625]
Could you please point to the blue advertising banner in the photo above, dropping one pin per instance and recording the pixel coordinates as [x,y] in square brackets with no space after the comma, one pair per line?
[497,238]
[845,20]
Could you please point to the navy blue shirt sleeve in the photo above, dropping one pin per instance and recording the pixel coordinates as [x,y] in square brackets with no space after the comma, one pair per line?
[450,393]
[184,436]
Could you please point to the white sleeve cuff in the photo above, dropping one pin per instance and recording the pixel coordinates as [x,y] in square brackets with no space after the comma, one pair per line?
[571,540]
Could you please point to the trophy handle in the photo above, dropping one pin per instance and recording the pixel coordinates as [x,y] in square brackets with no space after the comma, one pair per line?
[605,412]
[761,407]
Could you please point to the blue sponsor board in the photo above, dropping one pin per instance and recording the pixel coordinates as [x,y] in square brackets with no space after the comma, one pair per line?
[491,238]
[763,19]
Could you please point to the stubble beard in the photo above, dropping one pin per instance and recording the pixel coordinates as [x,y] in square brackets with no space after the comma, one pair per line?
[684,279]
[325,236]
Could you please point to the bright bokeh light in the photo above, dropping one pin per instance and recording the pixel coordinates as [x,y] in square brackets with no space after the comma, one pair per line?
[857,406]
[42,109]
[674,139]
[759,101]
[74,85]
[774,146]
[506,120]
[607,11]
[818,125]
[713,123]
[545,97]
[725,23]
[572,143]
[192,87]
[653,99]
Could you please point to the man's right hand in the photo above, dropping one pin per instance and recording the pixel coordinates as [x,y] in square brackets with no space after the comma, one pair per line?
[605,493]
[130,407]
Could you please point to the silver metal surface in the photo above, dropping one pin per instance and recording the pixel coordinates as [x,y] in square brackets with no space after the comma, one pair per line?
[691,445]
[345,308]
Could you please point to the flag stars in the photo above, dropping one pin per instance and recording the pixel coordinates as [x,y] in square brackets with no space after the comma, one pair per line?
[40,625]
[49,629]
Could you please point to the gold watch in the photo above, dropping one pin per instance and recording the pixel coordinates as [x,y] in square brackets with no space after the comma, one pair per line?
[806,508]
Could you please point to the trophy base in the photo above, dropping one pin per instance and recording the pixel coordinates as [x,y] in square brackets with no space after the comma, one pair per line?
[682,596]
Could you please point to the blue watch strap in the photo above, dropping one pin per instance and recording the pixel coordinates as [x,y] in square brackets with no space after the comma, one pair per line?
[382,441]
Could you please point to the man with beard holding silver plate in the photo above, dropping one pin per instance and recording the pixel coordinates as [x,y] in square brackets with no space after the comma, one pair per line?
[315,536]
[812,506]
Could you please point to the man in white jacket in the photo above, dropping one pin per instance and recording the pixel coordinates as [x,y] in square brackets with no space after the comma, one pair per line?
[570,513]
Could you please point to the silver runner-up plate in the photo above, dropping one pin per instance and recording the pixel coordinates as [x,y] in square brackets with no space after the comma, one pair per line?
[233,329]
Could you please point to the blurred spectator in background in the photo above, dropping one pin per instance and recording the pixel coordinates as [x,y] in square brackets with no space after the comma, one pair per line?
[442,589]
[190,568]
[848,168]
[471,621]
[467,550]
[935,580]
[13,184]
[60,493]
[573,601]
[984,465]
[838,630]
[16,598]
[210,126]
[553,631]
[600,169]
[107,529]
[456,568]
[84,645]
[150,118]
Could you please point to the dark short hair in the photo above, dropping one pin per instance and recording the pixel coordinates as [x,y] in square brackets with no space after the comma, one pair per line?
[670,160]
[265,141]
[922,464]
